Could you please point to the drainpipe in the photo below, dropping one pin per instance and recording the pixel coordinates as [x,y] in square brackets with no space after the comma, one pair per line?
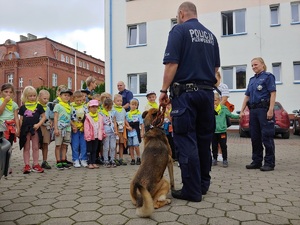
[110,47]
[48,77]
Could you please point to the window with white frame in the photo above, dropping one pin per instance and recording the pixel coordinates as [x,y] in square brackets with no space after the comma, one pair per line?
[276,68]
[137,34]
[10,78]
[81,84]
[137,83]
[21,82]
[234,22]
[295,7]
[235,76]
[99,69]
[69,82]
[84,64]
[67,59]
[71,60]
[87,66]
[297,71]
[274,11]
[95,69]
[62,57]
[54,80]
[80,63]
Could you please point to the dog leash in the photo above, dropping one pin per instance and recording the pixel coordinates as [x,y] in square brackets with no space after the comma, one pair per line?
[159,119]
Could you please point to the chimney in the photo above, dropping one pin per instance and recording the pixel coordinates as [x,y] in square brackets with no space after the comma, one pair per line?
[31,36]
[23,38]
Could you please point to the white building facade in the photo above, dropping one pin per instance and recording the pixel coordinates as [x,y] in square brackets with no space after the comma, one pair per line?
[136,33]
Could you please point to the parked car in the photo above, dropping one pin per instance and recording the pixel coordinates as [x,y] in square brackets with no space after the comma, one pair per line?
[282,122]
[296,122]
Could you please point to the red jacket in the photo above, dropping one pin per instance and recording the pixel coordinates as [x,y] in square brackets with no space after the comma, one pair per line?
[89,133]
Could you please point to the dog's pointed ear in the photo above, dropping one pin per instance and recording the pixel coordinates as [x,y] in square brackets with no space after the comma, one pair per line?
[144,114]
[154,114]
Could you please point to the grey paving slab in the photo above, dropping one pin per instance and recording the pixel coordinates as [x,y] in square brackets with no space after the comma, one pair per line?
[81,196]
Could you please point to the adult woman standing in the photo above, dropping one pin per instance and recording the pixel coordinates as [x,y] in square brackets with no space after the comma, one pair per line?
[260,97]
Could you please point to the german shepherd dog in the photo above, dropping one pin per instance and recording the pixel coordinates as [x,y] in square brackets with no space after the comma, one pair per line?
[148,188]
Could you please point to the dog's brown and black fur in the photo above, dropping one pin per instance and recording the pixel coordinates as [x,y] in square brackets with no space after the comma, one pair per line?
[148,188]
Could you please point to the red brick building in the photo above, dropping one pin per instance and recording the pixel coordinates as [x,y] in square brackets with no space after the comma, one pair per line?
[44,62]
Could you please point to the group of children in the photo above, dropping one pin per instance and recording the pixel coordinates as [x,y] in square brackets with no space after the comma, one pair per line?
[95,129]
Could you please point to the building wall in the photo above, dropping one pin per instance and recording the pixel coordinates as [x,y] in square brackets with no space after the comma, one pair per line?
[39,59]
[275,44]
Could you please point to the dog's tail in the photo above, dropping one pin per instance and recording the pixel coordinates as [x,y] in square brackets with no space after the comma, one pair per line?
[144,202]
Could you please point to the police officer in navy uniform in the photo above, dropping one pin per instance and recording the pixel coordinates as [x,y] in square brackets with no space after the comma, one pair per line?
[126,95]
[191,60]
[260,98]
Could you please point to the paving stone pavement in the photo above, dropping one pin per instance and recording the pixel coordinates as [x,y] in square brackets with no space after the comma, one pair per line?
[101,196]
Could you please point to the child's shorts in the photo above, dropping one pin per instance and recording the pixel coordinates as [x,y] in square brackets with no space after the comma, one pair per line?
[133,141]
[46,135]
[63,140]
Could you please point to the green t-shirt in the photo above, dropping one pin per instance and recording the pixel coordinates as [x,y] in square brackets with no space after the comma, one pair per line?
[7,114]
[64,118]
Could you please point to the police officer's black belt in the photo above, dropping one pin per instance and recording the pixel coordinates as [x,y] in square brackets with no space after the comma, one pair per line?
[192,87]
[263,104]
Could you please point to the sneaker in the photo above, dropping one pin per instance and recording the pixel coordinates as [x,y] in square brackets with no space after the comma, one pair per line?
[122,162]
[76,164]
[138,161]
[69,163]
[46,165]
[59,166]
[66,165]
[225,163]
[132,162]
[117,162]
[84,163]
[26,169]
[38,169]
[101,162]
[220,158]
[113,164]
[214,162]
[106,164]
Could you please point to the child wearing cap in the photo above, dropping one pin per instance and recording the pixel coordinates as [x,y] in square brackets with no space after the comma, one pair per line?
[62,128]
[135,131]
[93,132]
[151,97]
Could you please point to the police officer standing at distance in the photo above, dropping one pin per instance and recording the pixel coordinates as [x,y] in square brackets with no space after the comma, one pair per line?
[191,60]
[260,98]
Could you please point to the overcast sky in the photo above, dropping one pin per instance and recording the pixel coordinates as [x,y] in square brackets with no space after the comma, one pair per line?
[70,22]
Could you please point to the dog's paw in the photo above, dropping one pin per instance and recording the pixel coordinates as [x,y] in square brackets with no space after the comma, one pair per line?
[168,201]
[162,198]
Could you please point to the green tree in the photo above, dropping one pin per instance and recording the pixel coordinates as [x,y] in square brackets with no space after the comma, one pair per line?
[51,90]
